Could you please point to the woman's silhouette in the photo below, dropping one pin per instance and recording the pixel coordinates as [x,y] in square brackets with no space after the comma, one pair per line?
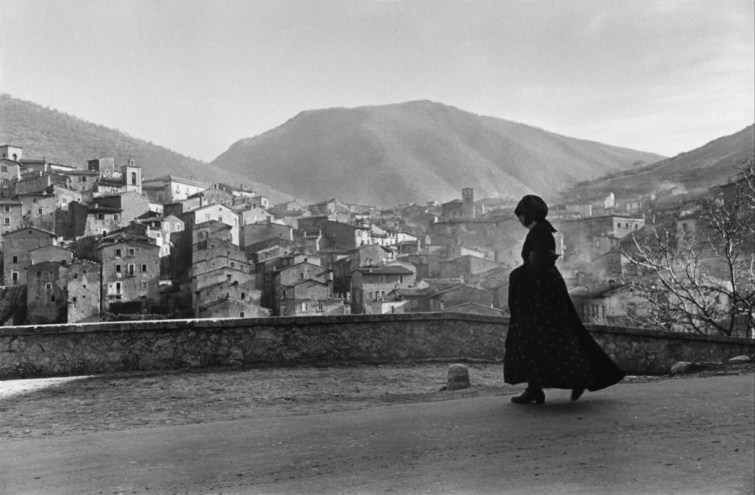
[547,346]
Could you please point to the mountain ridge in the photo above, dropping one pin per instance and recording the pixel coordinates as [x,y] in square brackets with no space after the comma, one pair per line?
[692,171]
[417,151]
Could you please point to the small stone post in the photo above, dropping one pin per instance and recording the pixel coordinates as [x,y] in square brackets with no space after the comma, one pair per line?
[458,377]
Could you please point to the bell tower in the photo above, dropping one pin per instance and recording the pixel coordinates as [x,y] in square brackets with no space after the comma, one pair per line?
[132,176]
[467,198]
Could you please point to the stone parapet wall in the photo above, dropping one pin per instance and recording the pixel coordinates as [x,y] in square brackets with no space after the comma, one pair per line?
[27,351]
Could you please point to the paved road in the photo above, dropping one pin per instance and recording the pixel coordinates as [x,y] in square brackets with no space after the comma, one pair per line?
[688,436]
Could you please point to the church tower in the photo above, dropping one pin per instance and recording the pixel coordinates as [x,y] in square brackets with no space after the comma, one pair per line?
[467,198]
[132,176]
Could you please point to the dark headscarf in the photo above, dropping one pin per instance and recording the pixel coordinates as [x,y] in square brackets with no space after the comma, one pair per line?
[533,208]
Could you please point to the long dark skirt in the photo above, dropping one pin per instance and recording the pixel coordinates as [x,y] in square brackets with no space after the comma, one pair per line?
[546,342]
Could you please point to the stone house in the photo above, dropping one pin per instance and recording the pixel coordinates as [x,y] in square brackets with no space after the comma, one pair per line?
[46,294]
[63,292]
[221,275]
[366,255]
[587,238]
[452,209]
[10,152]
[50,253]
[279,284]
[457,294]
[307,297]
[36,182]
[230,300]
[46,209]
[252,214]
[93,220]
[439,297]
[426,264]
[214,253]
[232,308]
[131,203]
[171,189]
[337,234]
[160,228]
[370,284]
[11,217]
[130,270]
[215,212]
[104,166]
[17,246]
[264,230]
[610,303]
[211,196]
[10,171]
[329,207]
[83,181]
[464,266]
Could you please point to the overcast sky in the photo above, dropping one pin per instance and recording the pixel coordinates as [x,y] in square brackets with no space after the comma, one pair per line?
[664,76]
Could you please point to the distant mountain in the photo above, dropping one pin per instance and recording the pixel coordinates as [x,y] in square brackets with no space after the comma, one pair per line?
[691,172]
[62,138]
[418,151]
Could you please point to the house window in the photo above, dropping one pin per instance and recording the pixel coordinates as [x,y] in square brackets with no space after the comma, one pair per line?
[39,211]
[241,314]
[243,295]
[117,268]
[233,265]
[6,208]
[39,274]
[73,300]
[100,216]
[131,269]
[305,306]
[118,253]
[14,276]
[117,287]
[15,259]
[115,217]
[131,251]
[48,286]
[144,268]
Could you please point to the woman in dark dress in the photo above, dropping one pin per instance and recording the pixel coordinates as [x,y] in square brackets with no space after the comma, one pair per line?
[547,346]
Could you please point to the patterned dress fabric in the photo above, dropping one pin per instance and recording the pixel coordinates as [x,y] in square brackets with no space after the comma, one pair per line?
[546,342]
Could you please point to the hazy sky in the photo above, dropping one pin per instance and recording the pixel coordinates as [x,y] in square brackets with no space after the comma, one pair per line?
[196,75]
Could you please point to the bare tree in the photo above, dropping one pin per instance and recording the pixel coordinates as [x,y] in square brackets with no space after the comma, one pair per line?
[696,268]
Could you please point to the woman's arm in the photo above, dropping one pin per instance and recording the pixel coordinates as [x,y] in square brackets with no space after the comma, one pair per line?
[542,252]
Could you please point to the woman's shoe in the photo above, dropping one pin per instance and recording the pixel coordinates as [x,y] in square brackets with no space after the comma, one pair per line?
[529,396]
[576,393]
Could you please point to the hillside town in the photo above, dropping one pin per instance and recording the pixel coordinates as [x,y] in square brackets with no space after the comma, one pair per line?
[101,242]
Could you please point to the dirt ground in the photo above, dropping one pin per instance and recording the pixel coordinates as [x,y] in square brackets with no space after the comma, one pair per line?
[50,407]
